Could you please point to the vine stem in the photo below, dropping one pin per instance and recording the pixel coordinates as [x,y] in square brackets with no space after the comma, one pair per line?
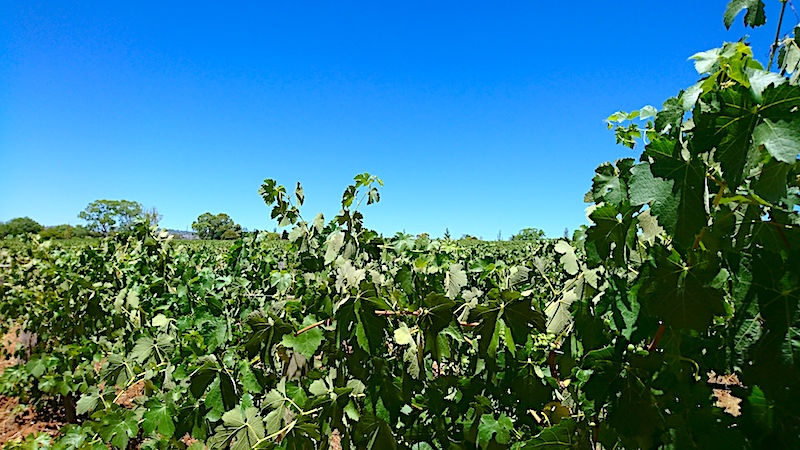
[777,35]
[656,339]
[311,327]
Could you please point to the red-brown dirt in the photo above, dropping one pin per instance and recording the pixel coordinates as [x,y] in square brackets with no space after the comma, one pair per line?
[18,421]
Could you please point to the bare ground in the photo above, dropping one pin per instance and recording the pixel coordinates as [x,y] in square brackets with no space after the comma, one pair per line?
[18,421]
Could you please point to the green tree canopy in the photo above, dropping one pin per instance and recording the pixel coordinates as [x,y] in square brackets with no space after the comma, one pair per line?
[220,226]
[18,226]
[106,216]
[64,231]
[528,234]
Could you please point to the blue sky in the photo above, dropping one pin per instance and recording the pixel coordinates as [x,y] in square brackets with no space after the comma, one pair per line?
[480,117]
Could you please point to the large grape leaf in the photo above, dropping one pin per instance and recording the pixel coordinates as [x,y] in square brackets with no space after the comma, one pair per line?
[307,342]
[158,417]
[568,257]
[119,427]
[669,119]
[436,316]
[521,318]
[267,330]
[684,213]
[490,427]
[609,184]
[605,366]
[778,290]
[780,102]
[728,127]
[605,238]
[679,293]
[645,189]
[754,17]
[557,312]
[373,433]
[241,429]
[634,412]
[455,279]
[781,139]
[771,185]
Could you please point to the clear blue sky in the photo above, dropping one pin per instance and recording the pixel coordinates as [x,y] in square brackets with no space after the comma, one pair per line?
[479,116]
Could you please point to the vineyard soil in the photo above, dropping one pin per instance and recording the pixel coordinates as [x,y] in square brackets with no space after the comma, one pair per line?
[18,421]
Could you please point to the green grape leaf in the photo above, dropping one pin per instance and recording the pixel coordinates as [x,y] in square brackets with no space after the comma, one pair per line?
[684,212]
[213,401]
[306,343]
[604,379]
[299,194]
[669,119]
[518,275]
[71,437]
[158,417]
[771,185]
[247,378]
[118,428]
[781,139]
[610,182]
[761,407]
[568,257]
[522,319]
[490,427]
[776,285]
[455,279]
[754,17]
[760,80]
[780,102]
[411,356]
[635,412]
[679,293]
[267,330]
[319,223]
[402,335]
[373,433]
[707,61]
[214,331]
[557,312]
[559,437]
[435,317]
[143,349]
[240,429]
[649,225]
[729,128]
[88,401]
[604,237]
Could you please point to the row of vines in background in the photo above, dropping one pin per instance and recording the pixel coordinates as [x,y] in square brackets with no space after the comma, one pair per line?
[671,322]
[160,345]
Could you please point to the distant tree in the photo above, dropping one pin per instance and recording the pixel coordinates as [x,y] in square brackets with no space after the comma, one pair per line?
[19,226]
[500,235]
[220,226]
[152,216]
[64,232]
[106,216]
[528,234]
[447,233]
